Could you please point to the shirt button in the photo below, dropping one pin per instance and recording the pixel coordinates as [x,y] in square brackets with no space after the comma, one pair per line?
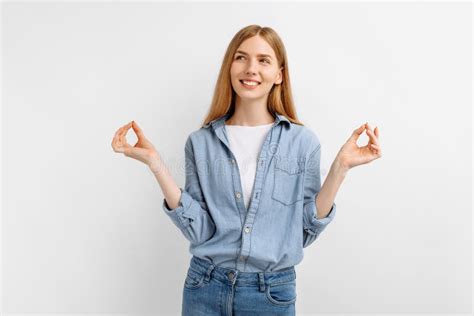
[237,195]
[247,229]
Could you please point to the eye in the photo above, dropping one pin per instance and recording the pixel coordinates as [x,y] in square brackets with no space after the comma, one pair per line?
[265,60]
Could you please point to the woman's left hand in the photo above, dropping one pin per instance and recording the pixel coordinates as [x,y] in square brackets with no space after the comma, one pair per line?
[351,155]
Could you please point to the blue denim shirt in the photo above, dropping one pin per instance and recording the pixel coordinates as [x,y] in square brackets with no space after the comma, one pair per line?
[281,219]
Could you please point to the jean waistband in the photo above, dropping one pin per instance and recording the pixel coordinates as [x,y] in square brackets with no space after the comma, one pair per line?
[236,277]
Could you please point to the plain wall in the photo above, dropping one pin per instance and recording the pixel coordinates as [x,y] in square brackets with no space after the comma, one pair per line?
[83,229]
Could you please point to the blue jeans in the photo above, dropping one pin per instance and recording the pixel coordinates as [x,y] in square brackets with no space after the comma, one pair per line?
[213,290]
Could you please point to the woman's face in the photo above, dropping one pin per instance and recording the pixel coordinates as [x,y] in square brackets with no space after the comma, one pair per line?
[250,62]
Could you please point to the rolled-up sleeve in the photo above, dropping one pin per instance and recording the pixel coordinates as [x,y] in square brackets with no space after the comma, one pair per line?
[191,215]
[312,226]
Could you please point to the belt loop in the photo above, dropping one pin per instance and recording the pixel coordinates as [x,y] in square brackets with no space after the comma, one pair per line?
[208,273]
[262,281]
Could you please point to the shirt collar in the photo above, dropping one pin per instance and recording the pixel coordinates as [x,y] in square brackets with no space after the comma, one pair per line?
[220,121]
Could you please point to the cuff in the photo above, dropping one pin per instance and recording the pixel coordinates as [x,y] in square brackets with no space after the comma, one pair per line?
[182,215]
[313,225]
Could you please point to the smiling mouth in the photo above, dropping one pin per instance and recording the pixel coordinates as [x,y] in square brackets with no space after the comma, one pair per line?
[252,83]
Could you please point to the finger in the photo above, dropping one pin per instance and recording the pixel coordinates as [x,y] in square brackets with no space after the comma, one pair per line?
[375,146]
[124,131]
[117,135]
[372,137]
[126,150]
[119,131]
[122,137]
[137,130]
[122,148]
[377,149]
[116,139]
[126,126]
[118,149]
[376,132]
[113,143]
[356,133]
[372,130]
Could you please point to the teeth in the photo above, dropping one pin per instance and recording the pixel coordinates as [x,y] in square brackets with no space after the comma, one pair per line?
[250,83]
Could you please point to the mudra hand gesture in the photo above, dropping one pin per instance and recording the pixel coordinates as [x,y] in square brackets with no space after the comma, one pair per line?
[351,155]
[143,150]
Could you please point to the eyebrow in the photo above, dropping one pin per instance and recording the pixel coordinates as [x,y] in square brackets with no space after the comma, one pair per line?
[259,55]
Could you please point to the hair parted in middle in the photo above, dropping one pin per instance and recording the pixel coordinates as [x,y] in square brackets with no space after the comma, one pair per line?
[280,99]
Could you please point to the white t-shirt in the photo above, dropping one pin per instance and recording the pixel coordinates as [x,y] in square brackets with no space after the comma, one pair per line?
[246,143]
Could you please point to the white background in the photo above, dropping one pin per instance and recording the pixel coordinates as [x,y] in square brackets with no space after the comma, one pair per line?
[82,226]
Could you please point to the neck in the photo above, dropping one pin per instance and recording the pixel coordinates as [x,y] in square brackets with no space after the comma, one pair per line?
[251,113]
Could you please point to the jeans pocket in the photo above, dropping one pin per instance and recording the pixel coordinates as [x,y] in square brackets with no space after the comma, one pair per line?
[288,180]
[281,294]
[194,279]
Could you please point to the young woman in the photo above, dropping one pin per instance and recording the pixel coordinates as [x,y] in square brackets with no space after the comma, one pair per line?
[252,198]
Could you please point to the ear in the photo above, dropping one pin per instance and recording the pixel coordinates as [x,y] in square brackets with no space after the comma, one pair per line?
[279,77]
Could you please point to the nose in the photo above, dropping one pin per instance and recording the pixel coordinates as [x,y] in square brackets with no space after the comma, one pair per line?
[250,68]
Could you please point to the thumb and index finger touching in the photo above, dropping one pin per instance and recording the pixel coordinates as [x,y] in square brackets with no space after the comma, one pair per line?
[357,132]
[138,130]
[119,137]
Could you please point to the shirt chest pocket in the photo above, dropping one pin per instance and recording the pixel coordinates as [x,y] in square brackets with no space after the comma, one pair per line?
[288,181]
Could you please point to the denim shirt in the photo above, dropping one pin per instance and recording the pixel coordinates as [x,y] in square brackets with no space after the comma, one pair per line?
[281,218]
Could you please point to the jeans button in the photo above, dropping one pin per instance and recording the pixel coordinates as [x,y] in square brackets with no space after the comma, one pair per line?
[230,275]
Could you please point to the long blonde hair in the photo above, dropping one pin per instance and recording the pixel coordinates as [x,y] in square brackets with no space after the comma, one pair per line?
[280,99]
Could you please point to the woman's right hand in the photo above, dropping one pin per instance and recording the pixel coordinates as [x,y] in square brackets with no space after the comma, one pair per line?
[143,150]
